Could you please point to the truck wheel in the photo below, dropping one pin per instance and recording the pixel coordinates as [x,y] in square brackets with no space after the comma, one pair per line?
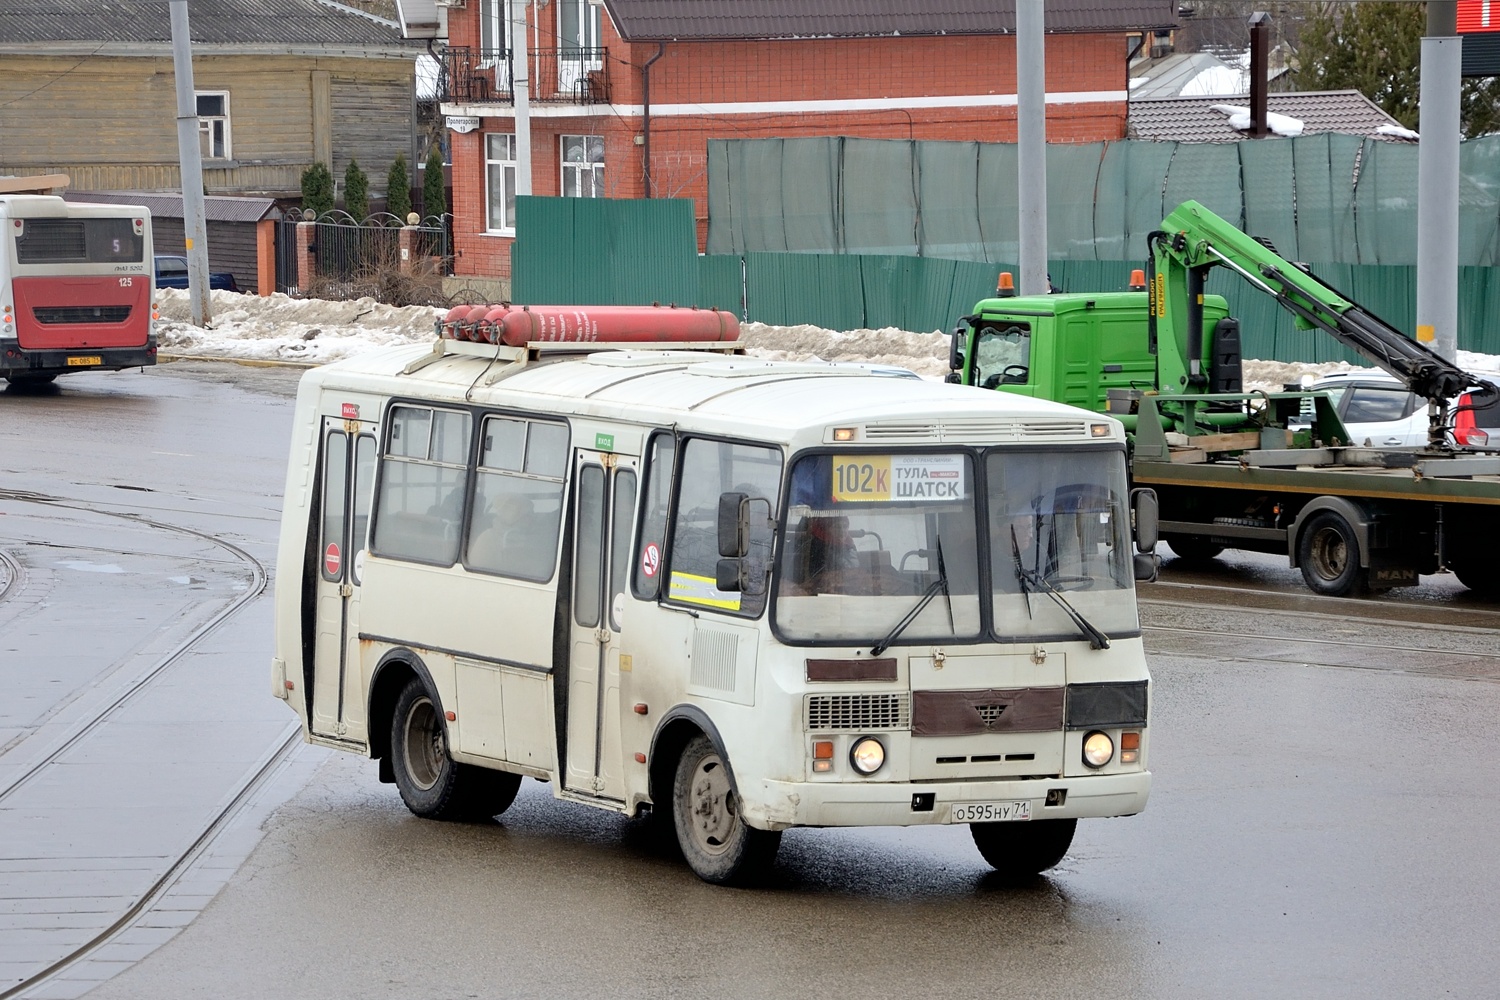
[432,784]
[23,380]
[719,846]
[1328,553]
[1193,548]
[1021,850]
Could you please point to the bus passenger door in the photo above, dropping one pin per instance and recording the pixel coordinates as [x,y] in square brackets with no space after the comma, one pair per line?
[604,503]
[348,480]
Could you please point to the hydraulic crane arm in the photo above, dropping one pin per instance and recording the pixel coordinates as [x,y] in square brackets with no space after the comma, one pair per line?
[1193,239]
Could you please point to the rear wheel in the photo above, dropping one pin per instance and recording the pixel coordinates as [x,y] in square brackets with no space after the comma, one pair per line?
[1328,553]
[719,846]
[1022,850]
[1193,548]
[30,379]
[432,784]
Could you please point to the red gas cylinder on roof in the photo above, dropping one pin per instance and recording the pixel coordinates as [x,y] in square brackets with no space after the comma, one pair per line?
[616,324]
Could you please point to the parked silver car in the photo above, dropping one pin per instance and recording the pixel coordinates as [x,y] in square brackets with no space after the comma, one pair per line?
[1379,411]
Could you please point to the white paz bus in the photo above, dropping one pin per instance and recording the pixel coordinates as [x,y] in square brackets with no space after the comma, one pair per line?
[737,595]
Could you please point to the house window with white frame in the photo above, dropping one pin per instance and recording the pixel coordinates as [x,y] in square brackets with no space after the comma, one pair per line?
[583,166]
[492,29]
[500,182]
[213,124]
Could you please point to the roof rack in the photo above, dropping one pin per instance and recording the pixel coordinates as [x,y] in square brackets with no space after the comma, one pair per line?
[540,350]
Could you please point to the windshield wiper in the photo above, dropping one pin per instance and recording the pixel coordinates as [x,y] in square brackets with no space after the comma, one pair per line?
[940,584]
[1097,639]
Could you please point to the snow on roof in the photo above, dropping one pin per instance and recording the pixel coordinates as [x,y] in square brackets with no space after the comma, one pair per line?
[1239,119]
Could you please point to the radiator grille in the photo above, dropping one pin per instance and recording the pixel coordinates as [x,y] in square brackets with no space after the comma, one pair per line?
[978,431]
[858,712]
[55,315]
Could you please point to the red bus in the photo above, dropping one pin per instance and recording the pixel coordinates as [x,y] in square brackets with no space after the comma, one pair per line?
[76,288]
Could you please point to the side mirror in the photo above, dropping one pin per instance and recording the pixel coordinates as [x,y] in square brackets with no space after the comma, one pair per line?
[1146,515]
[729,575]
[733,538]
[1146,566]
[956,351]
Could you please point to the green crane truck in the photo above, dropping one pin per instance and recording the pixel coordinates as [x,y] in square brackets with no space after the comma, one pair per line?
[1261,471]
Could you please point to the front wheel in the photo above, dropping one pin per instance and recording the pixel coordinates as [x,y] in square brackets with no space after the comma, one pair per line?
[1022,850]
[1328,553]
[720,847]
[432,784]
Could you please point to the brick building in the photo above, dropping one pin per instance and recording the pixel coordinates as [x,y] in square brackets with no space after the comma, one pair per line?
[624,95]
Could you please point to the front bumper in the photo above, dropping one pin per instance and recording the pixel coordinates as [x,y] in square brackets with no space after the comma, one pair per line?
[777,805]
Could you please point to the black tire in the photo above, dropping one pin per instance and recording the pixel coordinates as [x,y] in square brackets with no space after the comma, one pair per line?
[432,784]
[25,380]
[1193,548]
[719,846]
[1328,552]
[1019,851]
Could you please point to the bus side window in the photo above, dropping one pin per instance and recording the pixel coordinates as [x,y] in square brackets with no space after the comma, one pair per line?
[518,498]
[423,477]
[649,555]
[364,485]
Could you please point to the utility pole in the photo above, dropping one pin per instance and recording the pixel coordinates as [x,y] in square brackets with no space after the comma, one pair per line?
[520,83]
[1031,145]
[1437,181]
[190,158]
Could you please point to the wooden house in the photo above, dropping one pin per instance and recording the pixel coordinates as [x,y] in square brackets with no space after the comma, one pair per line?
[88,90]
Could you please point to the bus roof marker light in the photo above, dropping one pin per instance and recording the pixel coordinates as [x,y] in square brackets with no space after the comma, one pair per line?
[844,433]
[1099,430]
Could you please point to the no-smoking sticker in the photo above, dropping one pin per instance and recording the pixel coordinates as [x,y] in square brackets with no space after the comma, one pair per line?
[650,559]
[331,559]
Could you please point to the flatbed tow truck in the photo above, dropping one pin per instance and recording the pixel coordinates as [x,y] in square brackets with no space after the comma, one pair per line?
[1249,470]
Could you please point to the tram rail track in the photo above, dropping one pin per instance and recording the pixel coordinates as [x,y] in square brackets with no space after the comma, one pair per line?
[258,775]
[259,580]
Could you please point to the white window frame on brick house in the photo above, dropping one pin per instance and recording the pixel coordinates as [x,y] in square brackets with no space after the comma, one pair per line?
[213,129]
[500,183]
[583,166]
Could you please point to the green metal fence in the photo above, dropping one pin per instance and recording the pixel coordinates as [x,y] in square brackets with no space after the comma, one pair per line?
[619,252]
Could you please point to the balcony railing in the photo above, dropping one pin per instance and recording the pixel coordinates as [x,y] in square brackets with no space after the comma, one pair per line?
[484,76]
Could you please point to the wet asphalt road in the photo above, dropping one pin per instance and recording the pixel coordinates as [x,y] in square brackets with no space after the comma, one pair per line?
[1319,824]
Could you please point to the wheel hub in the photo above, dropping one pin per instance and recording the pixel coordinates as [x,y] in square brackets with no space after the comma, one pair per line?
[712,806]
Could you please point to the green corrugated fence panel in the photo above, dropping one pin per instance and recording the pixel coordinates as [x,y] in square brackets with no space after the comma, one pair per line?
[823,289]
[1385,205]
[720,283]
[999,201]
[605,251]
[1479,309]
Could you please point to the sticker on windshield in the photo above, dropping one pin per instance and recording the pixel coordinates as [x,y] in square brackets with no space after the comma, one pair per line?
[883,478]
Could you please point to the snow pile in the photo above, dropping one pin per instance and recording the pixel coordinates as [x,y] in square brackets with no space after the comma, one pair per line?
[317,331]
[281,328]
[1239,120]
[1398,132]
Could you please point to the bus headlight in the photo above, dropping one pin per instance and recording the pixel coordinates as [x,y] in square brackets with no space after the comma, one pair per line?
[867,755]
[1098,749]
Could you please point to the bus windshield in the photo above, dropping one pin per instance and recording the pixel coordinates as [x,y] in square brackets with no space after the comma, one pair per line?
[871,539]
